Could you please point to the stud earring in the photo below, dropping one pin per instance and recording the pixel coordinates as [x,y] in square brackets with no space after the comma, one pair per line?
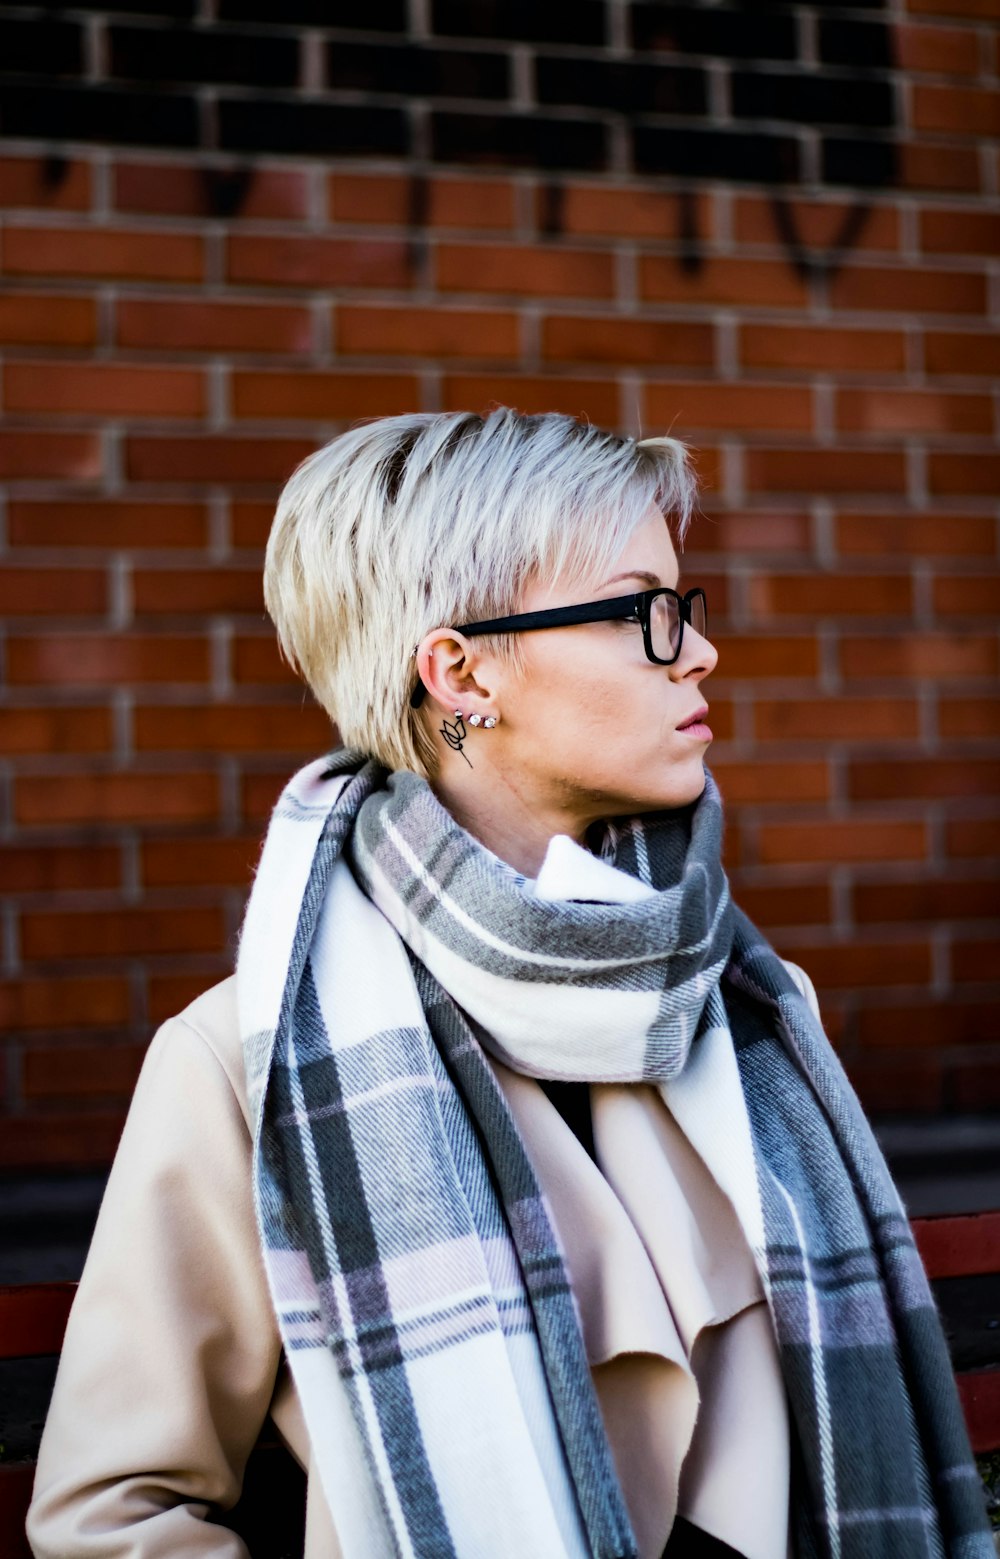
[486,721]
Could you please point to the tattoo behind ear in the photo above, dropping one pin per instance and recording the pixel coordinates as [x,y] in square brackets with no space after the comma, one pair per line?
[455,734]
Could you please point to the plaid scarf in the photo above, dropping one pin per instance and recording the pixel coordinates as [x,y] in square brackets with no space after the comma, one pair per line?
[419,1286]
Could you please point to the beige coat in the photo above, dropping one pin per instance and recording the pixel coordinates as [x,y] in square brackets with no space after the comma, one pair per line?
[172,1359]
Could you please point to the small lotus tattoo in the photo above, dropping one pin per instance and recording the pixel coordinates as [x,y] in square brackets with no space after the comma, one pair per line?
[454,733]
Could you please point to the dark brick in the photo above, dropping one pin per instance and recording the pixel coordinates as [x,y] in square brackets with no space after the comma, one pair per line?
[373,16]
[173,8]
[750,34]
[46,48]
[716,154]
[201,54]
[811,99]
[416,72]
[870,164]
[855,43]
[97,114]
[527,21]
[521,140]
[616,84]
[271,125]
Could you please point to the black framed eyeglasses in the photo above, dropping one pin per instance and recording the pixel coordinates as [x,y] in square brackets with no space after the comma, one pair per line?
[661,613]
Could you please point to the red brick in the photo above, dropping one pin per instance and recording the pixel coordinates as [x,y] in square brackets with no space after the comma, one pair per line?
[904,289]
[323,397]
[745,784]
[913,1089]
[65,1003]
[959,230]
[927,656]
[743,655]
[969,717]
[593,210]
[968,594]
[962,352]
[825,470]
[943,51]
[80,1071]
[595,400]
[839,966]
[81,1140]
[38,868]
[824,595]
[256,659]
[976,1088]
[175,590]
[117,798]
[259,792]
[837,719]
[767,531]
[913,534]
[817,224]
[115,252]
[103,389]
[532,271]
[55,730]
[833,840]
[785,904]
[178,189]
[963,473]
[975,960]
[931,1024]
[107,523]
[744,282]
[912,411]
[26,181]
[182,863]
[753,407]
[398,201]
[76,456]
[98,660]
[55,592]
[958,110]
[436,332]
[926,166]
[588,338]
[250,523]
[318,262]
[834,347]
[925,898]
[220,326]
[900,779]
[223,459]
[169,994]
[987,10]
[44,319]
[261,728]
[978,837]
[123,933]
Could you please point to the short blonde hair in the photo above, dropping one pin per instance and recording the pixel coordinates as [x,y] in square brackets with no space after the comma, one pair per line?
[416,522]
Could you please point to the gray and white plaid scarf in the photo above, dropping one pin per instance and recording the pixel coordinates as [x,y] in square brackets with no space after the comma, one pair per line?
[420,1289]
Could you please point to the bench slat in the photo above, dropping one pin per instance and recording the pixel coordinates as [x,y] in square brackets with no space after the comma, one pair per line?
[33,1318]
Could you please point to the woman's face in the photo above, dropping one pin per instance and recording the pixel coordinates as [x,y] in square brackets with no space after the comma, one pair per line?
[592,727]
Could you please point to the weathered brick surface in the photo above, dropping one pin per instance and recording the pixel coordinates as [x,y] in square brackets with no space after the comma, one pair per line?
[220,243]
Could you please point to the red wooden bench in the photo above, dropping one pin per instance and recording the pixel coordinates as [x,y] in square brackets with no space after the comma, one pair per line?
[33,1319]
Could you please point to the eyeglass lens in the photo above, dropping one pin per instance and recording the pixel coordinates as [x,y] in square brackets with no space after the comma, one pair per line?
[665,623]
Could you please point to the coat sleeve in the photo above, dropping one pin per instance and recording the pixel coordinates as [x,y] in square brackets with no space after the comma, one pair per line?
[171,1351]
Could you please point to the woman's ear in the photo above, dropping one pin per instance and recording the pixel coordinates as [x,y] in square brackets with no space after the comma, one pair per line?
[455,675]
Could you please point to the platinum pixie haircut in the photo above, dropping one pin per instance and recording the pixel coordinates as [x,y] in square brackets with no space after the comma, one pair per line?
[429,520]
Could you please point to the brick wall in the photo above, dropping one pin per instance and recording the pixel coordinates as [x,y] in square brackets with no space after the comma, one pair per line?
[226,235]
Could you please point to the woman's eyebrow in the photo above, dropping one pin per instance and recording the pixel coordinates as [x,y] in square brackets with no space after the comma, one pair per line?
[652,580]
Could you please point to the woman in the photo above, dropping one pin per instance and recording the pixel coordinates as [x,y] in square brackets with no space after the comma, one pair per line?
[560,1208]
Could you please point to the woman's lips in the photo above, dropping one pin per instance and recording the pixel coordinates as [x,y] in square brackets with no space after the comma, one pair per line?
[695,725]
